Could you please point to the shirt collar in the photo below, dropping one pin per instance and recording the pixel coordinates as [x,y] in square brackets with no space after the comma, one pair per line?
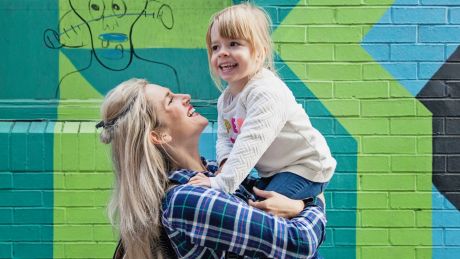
[182,176]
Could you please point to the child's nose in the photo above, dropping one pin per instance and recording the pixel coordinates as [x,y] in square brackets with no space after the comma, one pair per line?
[223,52]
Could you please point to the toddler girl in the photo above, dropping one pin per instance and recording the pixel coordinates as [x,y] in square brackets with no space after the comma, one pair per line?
[260,124]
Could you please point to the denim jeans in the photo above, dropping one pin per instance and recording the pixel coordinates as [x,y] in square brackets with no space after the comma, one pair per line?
[291,185]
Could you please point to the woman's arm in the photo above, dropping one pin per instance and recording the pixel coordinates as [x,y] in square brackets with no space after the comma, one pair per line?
[280,205]
[204,222]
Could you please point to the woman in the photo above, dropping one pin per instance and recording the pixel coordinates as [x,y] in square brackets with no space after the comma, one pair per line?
[154,136]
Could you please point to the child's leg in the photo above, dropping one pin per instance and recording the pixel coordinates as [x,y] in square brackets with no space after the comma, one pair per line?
[292,185]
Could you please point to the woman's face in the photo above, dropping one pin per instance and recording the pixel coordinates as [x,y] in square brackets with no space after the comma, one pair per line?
[176,113]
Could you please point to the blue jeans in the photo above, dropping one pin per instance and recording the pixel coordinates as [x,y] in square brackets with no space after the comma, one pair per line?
[291,185]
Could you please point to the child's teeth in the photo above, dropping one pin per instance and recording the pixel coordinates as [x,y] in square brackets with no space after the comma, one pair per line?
[227,65]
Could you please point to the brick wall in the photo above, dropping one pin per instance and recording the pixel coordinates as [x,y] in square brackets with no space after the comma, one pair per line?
[380,79]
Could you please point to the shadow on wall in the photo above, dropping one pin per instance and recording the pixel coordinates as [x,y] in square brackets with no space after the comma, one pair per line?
[441,95]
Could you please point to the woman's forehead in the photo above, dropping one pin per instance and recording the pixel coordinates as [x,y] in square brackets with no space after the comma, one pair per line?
[156,92]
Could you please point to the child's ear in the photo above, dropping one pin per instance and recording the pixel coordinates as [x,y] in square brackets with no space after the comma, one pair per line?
[159,138]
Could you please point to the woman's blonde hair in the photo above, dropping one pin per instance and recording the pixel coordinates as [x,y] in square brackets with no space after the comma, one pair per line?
[247,22]
[140,168]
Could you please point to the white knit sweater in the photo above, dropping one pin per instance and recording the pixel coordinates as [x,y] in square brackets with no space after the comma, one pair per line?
[264,127]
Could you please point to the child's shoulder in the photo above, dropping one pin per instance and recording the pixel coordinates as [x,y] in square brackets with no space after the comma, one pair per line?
[265,81]
[223,95]
[264,74]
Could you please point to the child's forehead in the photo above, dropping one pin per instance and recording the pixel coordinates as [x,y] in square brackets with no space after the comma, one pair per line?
[232,31]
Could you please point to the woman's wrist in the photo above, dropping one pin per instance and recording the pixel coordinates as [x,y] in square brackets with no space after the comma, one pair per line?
[299,206]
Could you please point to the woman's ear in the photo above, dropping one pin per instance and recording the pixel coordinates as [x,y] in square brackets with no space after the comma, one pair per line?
[159,138]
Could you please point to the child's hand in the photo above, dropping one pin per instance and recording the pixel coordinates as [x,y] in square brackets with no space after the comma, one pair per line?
[200,179]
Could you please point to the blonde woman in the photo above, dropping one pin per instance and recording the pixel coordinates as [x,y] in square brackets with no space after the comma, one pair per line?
[154,137]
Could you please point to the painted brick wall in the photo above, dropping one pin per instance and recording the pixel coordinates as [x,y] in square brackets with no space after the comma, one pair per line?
[380,79]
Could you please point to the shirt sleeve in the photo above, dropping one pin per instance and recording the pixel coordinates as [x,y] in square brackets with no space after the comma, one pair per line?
[265,118]
[203,222]
[223,143]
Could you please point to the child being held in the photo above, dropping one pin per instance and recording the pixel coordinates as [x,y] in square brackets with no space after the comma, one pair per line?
[260,124]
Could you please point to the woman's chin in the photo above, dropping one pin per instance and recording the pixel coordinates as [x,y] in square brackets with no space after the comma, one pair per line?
[205,122]
[200,119]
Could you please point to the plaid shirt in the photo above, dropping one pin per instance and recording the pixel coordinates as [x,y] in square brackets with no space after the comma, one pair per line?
[205,223]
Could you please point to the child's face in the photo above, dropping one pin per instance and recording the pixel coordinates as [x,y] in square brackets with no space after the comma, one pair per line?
[231,59]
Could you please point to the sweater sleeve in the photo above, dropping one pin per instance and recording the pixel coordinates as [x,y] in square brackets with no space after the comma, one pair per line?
[265,118]
[223,143]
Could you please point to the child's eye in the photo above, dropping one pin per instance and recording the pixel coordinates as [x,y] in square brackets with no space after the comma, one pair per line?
[234,43]
[214,48]
[171,100]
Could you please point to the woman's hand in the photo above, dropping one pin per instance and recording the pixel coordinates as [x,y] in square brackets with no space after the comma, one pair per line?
[278,204]
[200,179]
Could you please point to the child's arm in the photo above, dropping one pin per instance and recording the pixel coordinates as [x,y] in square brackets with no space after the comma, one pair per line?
[223,144]
[266,116]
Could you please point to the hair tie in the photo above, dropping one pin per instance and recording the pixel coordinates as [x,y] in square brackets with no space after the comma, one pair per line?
[112,122]
[101,124]
[106,125]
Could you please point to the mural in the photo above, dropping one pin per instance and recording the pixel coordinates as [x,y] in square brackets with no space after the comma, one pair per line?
[101,43]
[380,81]
[105,29]
[440,96]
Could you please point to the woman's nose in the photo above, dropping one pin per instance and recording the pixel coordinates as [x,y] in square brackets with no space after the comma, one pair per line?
[186,98]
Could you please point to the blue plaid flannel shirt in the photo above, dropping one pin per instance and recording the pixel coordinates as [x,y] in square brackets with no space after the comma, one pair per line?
[205,223]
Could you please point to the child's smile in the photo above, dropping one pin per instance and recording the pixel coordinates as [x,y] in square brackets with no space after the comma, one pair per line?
[231,59]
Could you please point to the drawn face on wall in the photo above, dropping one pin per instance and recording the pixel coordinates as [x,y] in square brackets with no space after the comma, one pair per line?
[110,23]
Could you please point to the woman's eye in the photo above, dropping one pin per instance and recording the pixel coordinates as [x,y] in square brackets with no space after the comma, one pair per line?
[171,100]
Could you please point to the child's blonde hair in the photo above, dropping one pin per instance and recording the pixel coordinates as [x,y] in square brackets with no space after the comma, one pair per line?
[247,22]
